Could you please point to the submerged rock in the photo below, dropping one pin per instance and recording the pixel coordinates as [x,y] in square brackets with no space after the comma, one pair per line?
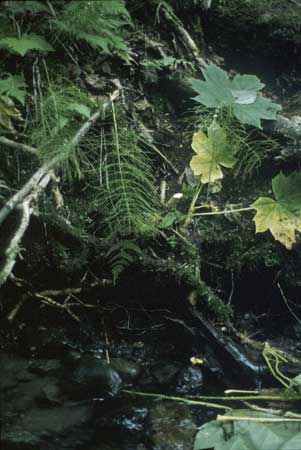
[92,377]
[172,425]
[62,427]
[190,381]
[165,373]
[13,370]
[128,370]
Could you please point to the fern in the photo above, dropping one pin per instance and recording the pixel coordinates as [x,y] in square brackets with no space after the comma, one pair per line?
[126,196]
[169,61]
[121,255]
[16,7]
[25,43]
[60,113]
[13,86]
[99,23]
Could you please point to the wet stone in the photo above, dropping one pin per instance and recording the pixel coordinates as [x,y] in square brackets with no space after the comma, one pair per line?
[55,428]
[128,370]
[190,381]
[13,370]
[91,378]
[172,426]
[165,373]
[44,366]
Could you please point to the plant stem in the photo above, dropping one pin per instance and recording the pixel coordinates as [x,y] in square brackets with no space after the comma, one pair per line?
[178,399]
[191,209]
[225,211]
[248,397]
[255,419]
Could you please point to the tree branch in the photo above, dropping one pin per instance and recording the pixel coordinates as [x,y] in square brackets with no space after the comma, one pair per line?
[12,250]
[18,146]
[37,177]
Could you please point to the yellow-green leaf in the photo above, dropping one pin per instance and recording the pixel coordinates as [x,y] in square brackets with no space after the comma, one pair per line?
[283,215]
[8,111]
[273,216]
[212,152]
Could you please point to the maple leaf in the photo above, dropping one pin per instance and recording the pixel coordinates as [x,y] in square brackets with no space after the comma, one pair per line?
[212,152]
[241,95]
[283,215]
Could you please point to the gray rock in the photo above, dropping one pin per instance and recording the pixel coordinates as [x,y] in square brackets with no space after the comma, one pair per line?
[45,366]
[165,373]
[190,381]
[49,428]
[128,370]
[172,426]
[91,378]
[13,370]
[40,391]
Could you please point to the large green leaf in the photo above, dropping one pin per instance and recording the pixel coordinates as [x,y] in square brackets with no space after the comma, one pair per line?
[249,435]
[13,86]
[252,113]
[25,43]
[241,95]
[209,436]
[215,92]
[212,152]
[283,215]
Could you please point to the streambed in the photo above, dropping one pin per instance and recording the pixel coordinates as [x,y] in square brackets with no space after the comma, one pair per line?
[63,386]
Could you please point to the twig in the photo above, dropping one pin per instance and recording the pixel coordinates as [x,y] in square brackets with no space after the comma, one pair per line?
[11,316]
[12,250]
[51,302]
[187,39]
[18,146]
[287,305]
[225,211]
[36,178]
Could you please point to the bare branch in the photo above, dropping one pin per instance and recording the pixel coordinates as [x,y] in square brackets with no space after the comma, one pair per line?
[12,249]
[37,177]
[18,146]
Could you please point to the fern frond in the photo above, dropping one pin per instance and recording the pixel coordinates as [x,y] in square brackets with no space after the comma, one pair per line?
[60,114]
[13,86]
[15,7]
[25,43]
[99,23]
[121,255]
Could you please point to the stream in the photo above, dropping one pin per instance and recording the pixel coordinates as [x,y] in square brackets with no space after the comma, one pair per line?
[63,384]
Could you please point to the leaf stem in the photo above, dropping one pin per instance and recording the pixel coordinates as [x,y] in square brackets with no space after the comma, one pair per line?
[191,209]
[225,211]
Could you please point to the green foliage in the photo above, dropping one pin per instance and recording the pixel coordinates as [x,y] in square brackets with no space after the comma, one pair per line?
[126,194]
[241,95]
[60,114]
[249,435]
[13,86]
[121,255]
[283,215]
[16,7]
[169,61]
[99,23]
[23,44]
